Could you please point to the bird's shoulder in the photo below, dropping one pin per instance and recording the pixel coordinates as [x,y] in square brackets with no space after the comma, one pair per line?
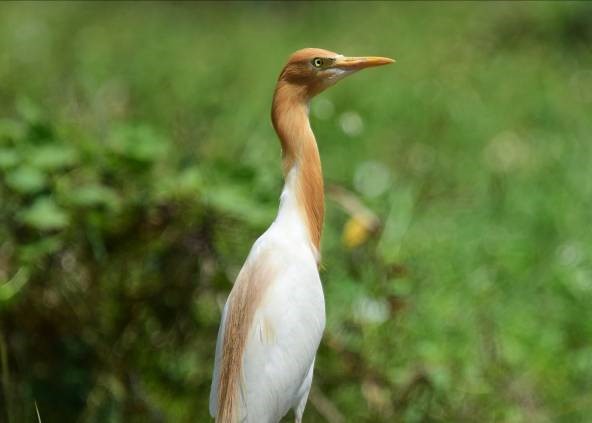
[280,244]
[273,259]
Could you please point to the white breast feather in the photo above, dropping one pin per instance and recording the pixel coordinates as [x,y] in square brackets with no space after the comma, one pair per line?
[288,323]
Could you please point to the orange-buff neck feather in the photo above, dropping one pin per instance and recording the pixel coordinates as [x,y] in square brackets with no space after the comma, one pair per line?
[289,115]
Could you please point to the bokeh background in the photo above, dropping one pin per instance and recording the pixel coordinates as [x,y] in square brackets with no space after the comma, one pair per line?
[138,164]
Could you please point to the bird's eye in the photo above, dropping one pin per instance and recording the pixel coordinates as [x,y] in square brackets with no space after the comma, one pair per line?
[317,62]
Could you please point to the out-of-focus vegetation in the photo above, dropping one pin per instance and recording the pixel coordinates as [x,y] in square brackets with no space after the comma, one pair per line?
[138,164]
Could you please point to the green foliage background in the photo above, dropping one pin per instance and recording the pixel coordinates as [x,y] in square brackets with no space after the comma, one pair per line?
[138,164]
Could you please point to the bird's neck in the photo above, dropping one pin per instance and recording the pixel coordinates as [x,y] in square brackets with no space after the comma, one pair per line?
[300,155]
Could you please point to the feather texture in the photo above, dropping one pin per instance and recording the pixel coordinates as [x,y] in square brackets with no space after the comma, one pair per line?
[272,324]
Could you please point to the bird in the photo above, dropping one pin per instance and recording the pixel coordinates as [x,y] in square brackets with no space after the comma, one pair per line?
[274,317]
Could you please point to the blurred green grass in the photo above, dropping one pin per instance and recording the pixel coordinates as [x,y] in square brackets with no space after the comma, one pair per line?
[138,164]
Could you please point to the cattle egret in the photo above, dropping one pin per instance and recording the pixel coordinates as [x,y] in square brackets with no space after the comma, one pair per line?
[274,317]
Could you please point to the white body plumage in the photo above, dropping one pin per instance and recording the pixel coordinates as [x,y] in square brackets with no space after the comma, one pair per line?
[288,324]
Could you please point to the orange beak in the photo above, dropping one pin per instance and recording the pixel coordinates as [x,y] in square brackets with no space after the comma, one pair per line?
[356,63]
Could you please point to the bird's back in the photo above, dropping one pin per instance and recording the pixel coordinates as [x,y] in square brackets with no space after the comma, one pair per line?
[270,330]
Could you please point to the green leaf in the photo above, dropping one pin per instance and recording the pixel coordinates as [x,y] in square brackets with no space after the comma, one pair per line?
[139,143]
[8,158]
[187,183]
[189,180]
[52,157]
[45,214]
[12,287]
[26,179]
[28,110]
[239,203]
[32,252]
[95,195]
[11,130]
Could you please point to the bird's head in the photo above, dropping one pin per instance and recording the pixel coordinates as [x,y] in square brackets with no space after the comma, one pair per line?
[315,69]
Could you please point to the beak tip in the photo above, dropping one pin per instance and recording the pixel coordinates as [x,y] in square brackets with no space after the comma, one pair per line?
[379,61]
[357,63]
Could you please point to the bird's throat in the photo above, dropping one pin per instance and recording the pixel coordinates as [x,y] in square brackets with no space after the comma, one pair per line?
[300,154]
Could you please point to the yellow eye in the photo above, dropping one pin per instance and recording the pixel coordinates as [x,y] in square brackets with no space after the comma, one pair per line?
[317,62]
